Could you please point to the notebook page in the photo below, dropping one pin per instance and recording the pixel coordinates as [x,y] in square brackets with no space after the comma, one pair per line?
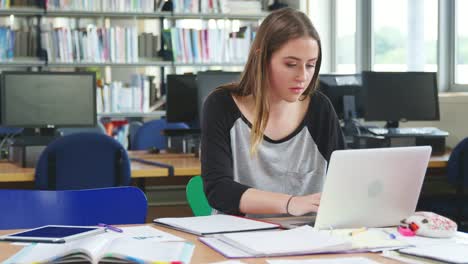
[453,253]
[351,260]
[374,238]
[92,246]
[215,223]
[303,239]
[149,251]
[48,252]
[148,233]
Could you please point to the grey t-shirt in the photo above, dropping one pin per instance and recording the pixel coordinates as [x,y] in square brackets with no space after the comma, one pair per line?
[293,165]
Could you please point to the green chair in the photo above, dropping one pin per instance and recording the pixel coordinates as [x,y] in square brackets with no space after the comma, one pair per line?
[196,197]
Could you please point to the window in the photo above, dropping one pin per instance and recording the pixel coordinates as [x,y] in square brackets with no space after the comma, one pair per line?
[346,36]
[461,42]
[404,35]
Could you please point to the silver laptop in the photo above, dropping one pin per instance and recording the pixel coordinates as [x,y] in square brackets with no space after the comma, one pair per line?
[372,187]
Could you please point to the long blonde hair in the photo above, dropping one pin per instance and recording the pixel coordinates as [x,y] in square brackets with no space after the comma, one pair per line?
[276,30]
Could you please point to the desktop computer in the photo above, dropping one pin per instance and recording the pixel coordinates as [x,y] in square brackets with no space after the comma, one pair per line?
[372,141]
[401,96]
[185,97]
[345,94]
[40,102]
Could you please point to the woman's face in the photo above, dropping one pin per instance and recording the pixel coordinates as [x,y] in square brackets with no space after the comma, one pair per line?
[291,68]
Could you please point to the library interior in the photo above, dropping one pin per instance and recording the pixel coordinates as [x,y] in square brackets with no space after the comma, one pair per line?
[101,121]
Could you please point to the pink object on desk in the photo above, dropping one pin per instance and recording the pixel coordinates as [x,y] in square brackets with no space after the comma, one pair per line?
[406,231]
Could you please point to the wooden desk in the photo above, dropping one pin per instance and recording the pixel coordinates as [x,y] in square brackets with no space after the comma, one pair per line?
[204,254]
[184,165]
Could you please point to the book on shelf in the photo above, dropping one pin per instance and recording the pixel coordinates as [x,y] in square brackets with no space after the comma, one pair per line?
[20,3]
[240,6]
[141,244]
[208,45]
[118,97]
[102,5]
[91,44]
[148,45]
[17,42]
[215,224]
[215,6]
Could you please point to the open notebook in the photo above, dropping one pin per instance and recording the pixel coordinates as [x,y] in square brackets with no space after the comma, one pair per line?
[133,246]
[214,224]
[299,241]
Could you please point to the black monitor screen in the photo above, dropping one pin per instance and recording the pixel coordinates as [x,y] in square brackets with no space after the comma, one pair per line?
[48,99]
[400,96]
[181,98]
[337,87]
[209,81]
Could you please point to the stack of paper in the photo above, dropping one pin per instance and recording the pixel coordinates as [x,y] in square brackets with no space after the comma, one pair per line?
[299,241]
[374,239]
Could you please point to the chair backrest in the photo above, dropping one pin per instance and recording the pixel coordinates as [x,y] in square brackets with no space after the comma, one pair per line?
[457,167]
[65,131]
[33,208]
[196,197]
[7,131]
[149,135]
[82,161]
[133,127]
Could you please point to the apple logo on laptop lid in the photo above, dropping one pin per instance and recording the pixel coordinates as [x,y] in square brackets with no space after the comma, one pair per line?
[375,188]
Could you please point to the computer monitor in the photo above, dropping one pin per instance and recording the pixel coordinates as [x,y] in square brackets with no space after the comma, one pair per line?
[345,94]
[208,81]
[48,99]
[181,98]
[400,96]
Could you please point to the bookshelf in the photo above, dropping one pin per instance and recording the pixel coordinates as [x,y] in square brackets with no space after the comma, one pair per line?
[22,11]
[165,20]
[22,62]
[152,115]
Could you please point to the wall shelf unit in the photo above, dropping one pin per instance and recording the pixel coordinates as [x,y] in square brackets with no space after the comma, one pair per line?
[166,20]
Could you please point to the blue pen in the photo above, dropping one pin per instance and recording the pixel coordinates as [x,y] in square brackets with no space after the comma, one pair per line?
[110,227]
[390,234]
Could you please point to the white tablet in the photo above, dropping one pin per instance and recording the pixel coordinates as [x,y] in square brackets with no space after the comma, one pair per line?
[53,234]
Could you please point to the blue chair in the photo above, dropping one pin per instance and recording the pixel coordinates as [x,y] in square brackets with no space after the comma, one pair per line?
[133,127]
[8,131]
[450,198]
[82,161]
[457,174]
[33,208]
[149,135]
[65,131]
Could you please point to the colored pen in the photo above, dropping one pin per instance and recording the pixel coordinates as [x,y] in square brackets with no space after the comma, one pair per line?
[357,231]
[110,227]
[390,234]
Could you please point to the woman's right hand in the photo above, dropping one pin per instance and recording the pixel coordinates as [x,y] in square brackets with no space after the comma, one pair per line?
[301,205]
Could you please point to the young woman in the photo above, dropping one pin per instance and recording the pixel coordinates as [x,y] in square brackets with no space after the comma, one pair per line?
[266,141]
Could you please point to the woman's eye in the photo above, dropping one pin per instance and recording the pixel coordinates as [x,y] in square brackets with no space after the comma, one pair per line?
[290,65]
[310,66]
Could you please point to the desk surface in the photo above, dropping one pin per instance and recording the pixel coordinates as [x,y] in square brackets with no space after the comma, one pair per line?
[184,165]
[204,254]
